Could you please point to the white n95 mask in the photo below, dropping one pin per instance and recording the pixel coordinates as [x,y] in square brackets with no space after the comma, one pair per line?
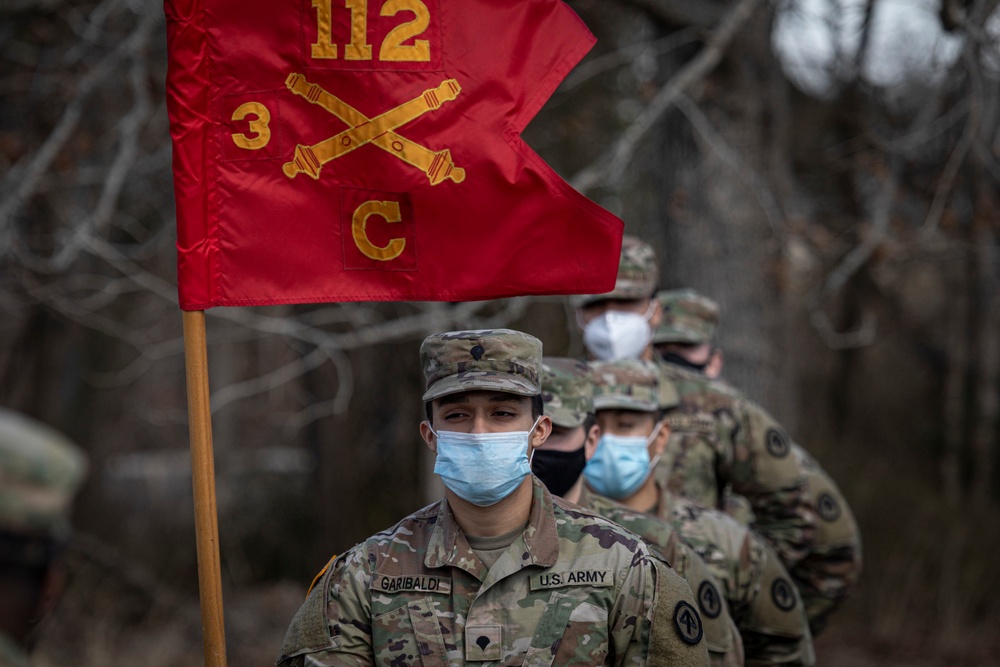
[617,335]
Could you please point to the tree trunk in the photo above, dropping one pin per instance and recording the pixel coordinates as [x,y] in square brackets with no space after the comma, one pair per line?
[987,386]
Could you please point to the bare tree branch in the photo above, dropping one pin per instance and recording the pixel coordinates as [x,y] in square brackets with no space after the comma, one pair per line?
[955,162]
[22,180]
[864,334]
[699,13]
[611,165]
[909,143]
[609,61]
[768,203]
[945,183]
[866,33]
[268,381]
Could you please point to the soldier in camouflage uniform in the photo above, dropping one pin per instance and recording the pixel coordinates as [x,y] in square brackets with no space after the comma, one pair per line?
[631,417]
[744,447]
[498,572]
[620,324]
[567,391]
[40,472]
[832,563]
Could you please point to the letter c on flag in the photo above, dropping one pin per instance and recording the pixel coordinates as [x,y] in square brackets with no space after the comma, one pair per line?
[389,210]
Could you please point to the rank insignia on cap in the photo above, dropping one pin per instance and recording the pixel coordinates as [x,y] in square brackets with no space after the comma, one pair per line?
[481,360]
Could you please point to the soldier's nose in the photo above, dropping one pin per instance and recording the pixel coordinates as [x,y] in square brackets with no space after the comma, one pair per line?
[479,424]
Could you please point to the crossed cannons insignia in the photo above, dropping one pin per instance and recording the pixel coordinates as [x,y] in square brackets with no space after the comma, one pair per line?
[379,130]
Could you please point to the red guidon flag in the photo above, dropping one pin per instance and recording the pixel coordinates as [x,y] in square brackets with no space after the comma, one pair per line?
[361,150]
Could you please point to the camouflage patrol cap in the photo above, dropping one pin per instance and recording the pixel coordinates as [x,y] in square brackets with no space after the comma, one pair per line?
[638,274]
[688,317]
[626,384]
[40,472]
[491,359]
[567,390]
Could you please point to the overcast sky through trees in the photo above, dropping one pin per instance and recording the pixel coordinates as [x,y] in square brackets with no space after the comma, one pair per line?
[818,42]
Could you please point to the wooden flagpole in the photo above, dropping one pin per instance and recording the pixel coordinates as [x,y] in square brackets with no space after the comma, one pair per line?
[206,521]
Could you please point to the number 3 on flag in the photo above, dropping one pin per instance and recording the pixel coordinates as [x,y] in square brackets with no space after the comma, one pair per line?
[260,134]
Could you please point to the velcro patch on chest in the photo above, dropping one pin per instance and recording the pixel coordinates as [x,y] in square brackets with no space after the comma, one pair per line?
[483,643]
[593,578]
[410,583]
[690,423]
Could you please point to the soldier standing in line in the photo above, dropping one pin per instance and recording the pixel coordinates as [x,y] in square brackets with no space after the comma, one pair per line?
[567,392]
[832,566]
[633,435]
[745,446]
[497,572]
[40,472]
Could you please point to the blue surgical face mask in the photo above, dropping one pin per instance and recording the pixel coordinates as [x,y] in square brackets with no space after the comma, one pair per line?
[483,468]
[620,465]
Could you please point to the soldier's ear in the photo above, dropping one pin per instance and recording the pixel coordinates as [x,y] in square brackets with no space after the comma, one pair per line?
[427,433]
[657,316]
[715,362]
[590,442]
[542,431]
[662,436]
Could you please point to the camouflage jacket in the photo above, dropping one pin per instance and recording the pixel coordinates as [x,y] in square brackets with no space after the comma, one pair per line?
[12,655]
[764,603]
[721,439]
[833,565]
[725,647]
[573,588]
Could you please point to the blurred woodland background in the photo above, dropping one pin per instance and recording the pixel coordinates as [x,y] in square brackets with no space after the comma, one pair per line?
[828,170]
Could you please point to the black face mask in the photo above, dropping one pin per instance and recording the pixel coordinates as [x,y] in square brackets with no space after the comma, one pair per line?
[674,358]
[558,470]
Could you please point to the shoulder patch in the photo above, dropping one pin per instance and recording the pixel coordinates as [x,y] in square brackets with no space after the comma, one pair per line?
[777,444]
[783,595]
[827,507]
[709,600]
[410,583]
[326,568]
[592,578]
[687,621]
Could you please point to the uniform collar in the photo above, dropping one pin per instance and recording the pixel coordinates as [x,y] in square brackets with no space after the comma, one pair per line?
[591,500]
[598,503]
[448,546]
[664,501]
